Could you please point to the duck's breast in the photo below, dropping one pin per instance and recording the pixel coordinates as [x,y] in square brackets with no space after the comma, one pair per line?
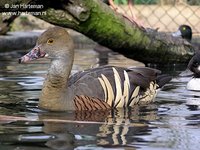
[194,84]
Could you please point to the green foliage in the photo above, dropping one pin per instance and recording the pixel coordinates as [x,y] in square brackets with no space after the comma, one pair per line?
[145,1]
[121,2]
[136,1]
[23,18]
[194,2]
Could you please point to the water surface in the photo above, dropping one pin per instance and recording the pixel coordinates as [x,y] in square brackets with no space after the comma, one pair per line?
[172,122]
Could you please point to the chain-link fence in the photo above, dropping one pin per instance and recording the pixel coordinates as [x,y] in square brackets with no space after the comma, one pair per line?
[167,15]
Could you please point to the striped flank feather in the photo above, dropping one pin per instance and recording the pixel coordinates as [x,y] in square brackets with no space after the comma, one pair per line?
[121,95]
[89,103]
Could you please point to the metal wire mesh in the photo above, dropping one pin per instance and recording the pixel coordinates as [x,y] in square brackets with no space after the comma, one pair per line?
[167,15]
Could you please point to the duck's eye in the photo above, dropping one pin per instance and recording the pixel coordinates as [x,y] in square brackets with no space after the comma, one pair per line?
[184,28]
[50,41]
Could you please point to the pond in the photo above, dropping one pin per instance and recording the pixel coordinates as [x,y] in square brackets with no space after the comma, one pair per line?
[172,122]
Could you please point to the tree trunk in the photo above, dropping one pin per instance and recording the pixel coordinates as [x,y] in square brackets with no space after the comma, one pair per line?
[100,23]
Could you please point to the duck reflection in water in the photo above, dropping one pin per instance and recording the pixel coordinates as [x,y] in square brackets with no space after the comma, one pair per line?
[100,128]
[68,130]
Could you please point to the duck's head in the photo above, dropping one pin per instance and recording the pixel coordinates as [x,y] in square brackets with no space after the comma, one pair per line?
[53,43]
[194,65]
[184,31]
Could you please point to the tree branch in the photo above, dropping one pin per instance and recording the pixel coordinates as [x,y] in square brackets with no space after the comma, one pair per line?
[100,23]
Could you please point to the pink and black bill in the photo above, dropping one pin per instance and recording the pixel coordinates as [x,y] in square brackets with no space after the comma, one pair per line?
[35,53]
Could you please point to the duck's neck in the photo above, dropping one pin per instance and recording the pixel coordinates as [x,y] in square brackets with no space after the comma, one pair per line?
[54,94]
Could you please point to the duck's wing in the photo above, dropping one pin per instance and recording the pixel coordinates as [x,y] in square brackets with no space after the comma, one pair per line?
[151,74]
[118,87]
[77,76]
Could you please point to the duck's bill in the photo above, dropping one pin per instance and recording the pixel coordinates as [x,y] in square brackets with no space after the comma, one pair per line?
[35,53]
[186,73]
[177,34]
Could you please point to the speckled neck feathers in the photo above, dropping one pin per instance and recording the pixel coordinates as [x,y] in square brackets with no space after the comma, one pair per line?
[55,86]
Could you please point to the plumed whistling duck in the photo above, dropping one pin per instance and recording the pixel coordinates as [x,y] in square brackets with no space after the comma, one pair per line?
[99,88]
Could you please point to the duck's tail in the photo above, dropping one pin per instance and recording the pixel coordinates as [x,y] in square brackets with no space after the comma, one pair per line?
[163,79]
